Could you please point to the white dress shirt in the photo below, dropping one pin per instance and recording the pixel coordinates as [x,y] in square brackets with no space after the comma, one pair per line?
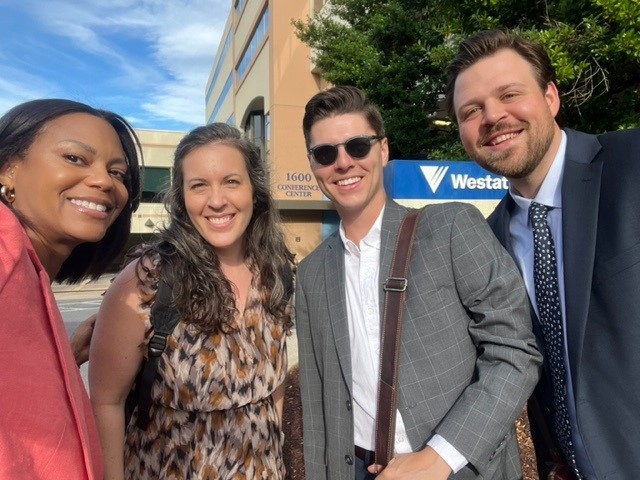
[362,275]
[521,231]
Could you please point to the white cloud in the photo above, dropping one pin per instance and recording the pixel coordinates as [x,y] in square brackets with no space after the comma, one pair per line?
[185,45]
[17,86]
[181,35]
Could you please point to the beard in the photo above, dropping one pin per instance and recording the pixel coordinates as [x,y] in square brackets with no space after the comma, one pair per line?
[513,163]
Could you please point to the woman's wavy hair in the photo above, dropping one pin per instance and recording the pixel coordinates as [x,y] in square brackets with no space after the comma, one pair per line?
[20,126]
[201,292]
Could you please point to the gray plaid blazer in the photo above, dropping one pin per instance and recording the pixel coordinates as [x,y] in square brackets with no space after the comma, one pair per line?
[468,357]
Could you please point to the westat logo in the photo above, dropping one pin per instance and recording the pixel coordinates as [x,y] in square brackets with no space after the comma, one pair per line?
[462,181]
[442,180]
[434,176]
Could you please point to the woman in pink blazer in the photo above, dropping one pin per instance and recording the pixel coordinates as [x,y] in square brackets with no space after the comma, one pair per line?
[69,183]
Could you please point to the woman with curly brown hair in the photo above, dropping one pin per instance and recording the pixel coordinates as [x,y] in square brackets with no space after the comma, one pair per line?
[217,399]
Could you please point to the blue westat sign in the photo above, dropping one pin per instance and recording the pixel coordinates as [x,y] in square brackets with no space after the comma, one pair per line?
[442,180]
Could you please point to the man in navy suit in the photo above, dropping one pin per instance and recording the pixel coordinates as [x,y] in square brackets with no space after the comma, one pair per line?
[502,93]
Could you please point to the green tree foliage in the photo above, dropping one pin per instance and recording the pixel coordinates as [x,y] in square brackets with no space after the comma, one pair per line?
[396,50]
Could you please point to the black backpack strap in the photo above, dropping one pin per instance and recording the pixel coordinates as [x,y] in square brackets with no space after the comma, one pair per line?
[164,318]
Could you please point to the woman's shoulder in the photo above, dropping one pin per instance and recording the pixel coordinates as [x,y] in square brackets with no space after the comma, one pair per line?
[131,294]
[140,275]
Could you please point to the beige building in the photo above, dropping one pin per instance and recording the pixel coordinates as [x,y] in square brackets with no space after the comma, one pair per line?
[260,81]
[157,149]
[261,78]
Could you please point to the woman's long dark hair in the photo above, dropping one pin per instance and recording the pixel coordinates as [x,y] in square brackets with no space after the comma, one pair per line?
[18,129]
[200,291]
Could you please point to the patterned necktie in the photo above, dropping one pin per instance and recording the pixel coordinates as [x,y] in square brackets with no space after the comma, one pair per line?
[545,279]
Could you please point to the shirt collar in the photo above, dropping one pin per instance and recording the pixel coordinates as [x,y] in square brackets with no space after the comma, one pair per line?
[371,239]
[550,192]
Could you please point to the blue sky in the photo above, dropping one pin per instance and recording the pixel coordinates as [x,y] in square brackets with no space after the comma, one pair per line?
[148,60]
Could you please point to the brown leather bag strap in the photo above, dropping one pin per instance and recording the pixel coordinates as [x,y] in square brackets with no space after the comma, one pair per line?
[396,289]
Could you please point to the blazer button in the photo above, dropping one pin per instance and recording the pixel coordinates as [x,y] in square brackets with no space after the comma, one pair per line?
[348,459]
[348,405]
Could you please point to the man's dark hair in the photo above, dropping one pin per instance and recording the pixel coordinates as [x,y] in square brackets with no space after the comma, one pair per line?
[488,42]
[340,100]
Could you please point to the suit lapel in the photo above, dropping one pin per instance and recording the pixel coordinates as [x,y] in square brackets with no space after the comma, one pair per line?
[580,200]
[335,285]
[499,222]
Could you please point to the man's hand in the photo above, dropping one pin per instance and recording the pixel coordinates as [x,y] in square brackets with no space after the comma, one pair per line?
[423,465]
[81,339]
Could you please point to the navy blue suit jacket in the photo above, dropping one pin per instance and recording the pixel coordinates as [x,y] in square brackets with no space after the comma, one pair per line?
[601,231]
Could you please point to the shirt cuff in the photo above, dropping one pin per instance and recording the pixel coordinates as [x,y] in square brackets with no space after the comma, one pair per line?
[448,452]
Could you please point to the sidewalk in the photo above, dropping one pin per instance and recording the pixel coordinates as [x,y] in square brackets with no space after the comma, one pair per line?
[64,291]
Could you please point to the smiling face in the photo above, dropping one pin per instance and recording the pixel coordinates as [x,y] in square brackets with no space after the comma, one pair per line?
[507,123]
[69,187]
[354,185]
[218,197]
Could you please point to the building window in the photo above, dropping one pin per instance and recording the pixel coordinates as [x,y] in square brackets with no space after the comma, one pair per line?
[255,130]
[240,6]
[155,180]
[267,127]
[250,52]
[223,57]
[221,98]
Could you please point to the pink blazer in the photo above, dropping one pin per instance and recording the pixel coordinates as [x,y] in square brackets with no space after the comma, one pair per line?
[47,429]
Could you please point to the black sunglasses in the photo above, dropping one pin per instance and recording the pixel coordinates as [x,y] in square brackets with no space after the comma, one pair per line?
[357,147]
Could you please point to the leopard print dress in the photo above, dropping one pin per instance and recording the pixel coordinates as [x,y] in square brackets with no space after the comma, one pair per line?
[213,415]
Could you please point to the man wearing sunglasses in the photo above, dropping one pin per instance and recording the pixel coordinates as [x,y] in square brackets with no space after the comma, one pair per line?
[468,360]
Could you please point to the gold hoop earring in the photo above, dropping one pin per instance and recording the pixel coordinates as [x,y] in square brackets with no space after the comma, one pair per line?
[7,194]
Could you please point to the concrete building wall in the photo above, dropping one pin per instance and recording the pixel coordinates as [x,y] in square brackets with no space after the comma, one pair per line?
[158,146]
[157,150]
[292,84]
